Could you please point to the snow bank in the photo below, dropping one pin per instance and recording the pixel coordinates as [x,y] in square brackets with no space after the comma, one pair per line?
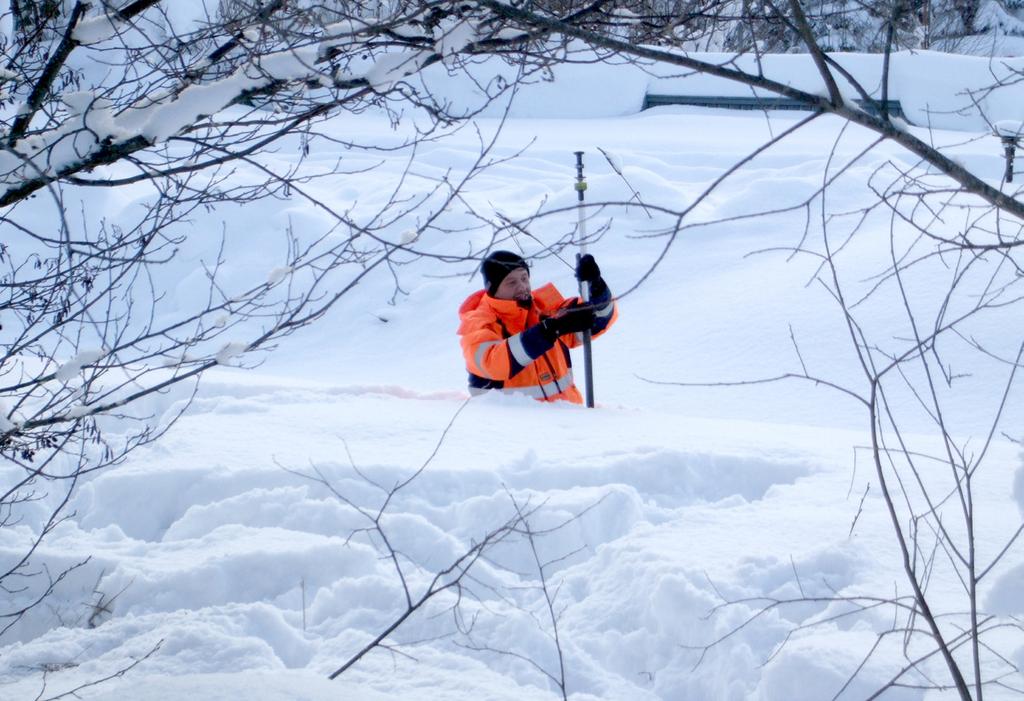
[943,91]
[240,567]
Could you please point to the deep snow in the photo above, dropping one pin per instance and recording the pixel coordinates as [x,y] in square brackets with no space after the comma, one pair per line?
[675,497]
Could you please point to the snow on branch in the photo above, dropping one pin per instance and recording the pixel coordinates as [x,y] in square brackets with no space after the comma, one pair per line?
[94,131]
[96,29]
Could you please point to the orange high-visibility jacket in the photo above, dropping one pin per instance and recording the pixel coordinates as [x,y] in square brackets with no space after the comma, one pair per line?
[502,352]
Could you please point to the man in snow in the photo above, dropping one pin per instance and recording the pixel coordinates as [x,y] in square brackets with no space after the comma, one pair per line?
[517,339]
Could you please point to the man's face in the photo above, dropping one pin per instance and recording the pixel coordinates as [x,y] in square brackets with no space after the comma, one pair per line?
[516,285]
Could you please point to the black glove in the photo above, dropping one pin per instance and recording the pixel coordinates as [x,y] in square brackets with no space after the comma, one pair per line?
[587,271]
[571,319]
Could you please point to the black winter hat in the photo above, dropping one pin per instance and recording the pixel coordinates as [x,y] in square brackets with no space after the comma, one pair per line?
[497,266]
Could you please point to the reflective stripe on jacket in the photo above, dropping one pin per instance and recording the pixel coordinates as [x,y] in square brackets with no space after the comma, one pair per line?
[504,348]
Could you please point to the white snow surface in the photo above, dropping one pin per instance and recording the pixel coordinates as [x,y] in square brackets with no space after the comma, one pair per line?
[252,582]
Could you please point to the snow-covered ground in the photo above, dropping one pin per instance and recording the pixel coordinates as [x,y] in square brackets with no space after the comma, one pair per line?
[254,582]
